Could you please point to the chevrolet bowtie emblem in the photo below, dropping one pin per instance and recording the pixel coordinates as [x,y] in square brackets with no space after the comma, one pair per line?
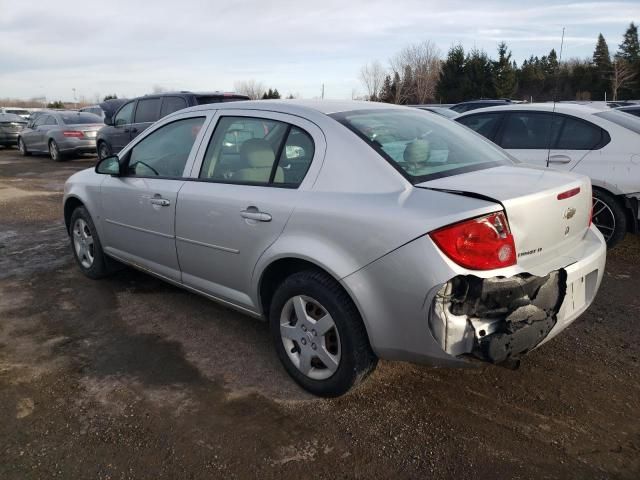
[569,213]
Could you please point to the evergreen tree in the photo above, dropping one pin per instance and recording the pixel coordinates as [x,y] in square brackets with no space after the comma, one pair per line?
[408,87]
[386,95]
[602,63]
[630,48]
[478,72]
[453,82]
[629,51]
[275,93]
[504,77]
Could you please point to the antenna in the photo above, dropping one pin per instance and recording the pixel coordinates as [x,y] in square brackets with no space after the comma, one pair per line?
[555,99]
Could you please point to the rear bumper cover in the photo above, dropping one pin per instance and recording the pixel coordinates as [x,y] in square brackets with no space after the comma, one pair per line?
[398,297]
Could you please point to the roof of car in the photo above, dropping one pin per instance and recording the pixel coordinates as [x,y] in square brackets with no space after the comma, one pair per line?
[296,106]
[575,108]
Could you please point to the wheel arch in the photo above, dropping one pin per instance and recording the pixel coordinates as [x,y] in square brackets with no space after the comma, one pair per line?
[70,204]
[626,204]
[278,269]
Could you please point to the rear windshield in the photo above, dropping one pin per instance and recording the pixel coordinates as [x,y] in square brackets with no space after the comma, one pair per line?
[203,99]
[11,118]
[423,146]
[625,120]
[79,118]
[17,111]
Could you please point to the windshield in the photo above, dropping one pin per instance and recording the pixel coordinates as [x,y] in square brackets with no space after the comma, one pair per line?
[80,118]
[423,146]
[626,120]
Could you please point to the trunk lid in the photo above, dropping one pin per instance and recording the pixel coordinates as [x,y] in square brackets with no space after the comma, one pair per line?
[543,226]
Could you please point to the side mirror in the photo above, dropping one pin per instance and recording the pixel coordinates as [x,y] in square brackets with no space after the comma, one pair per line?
[108,120]
[109,166]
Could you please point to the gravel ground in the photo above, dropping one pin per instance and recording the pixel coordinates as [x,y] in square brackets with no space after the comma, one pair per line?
[129,377]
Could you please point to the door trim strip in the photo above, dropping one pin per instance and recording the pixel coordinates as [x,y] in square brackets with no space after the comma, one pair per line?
[209,245]
[139,229]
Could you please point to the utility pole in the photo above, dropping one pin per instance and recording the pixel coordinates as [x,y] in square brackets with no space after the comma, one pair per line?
[322,92]
[74,97]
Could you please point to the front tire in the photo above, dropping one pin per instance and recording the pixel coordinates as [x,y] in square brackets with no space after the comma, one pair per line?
[86,246]
[609,217]
[23,148]
[103,150]
[319,335]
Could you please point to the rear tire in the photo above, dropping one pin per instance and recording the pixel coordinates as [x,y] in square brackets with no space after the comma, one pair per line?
[54,152]
[23,148]
[341,357]
[609,216]
[86,246]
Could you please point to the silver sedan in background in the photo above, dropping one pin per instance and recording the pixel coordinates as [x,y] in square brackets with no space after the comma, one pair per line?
[60,134]
[358,230]
[10,127]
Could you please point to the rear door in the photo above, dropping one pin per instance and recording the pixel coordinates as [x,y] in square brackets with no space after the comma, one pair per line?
[576,138]
[528,135]
[250,175]
[147,112]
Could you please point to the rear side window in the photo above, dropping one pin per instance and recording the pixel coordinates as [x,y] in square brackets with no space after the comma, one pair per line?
[148,110]
[257,151]
[483,123]
[172,104]
[123,116]
[579,135]
[622,118]
[164,153]
[49,120]
[530,130]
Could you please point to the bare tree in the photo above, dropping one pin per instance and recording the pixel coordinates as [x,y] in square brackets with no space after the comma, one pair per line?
[372,77]
[422,62]
[622,75]
[254,90]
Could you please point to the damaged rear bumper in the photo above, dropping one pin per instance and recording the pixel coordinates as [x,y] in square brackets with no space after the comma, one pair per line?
[501,318]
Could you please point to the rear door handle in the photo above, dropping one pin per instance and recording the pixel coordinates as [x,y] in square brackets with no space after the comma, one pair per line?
[163,202]
[559,159]
[252,213]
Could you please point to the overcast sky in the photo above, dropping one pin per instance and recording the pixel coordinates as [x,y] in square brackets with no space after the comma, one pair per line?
[47,48]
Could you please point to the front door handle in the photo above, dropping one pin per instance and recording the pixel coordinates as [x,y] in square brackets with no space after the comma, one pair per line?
[559,159]
[252,213]
[163,202]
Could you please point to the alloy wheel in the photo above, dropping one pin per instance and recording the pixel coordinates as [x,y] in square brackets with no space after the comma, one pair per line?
[83,243]
[53,151]
[603,218]
[310,337]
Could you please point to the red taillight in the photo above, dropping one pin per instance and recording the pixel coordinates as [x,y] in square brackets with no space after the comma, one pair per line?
[482,243]
[569,193]
[73,133]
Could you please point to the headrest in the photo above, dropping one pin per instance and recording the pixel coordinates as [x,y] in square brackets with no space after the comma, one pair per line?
[301,140]
[417,151]
[257,152]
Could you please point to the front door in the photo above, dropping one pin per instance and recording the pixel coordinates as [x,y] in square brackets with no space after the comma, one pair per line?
[120,133]
[247,190]
[139,207]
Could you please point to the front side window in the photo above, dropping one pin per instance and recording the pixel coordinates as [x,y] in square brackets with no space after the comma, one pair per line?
[123,117]
[420,145]
[530,130]
[165,151]
[259,151]
[483,123]
[148,110]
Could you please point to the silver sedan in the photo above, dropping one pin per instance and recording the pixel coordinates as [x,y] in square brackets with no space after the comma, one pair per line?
[60,134]
[358,230]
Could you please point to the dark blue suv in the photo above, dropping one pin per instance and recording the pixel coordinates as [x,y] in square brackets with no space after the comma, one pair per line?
[126,120]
